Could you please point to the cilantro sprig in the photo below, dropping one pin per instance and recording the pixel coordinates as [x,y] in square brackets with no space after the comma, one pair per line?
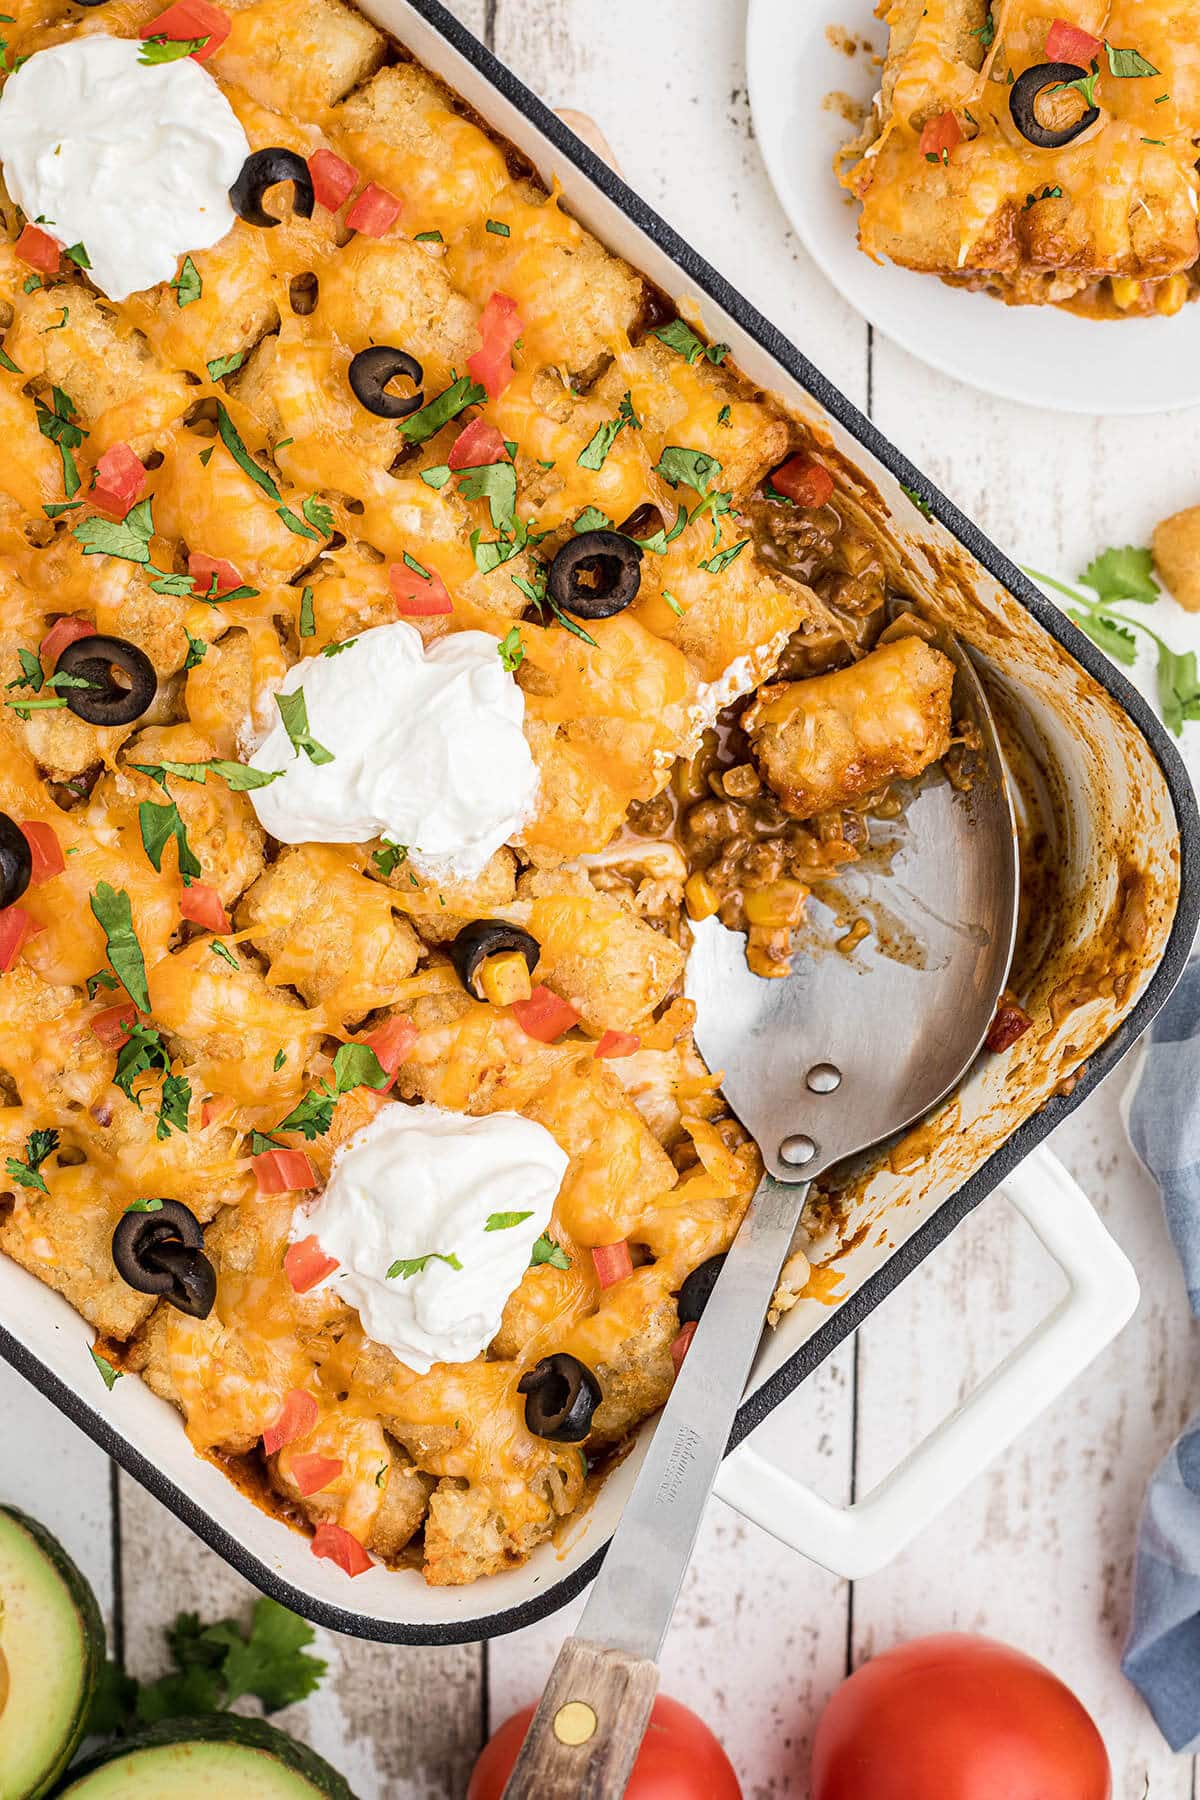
[26,1173]
[214,1665]
[293,710]
[420,426]
[354,1066]
[683,340]
[57,423]
[546,1250]
[1116,577]
[595,452]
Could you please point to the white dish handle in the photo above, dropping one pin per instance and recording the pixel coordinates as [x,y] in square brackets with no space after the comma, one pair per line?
[1102,1293]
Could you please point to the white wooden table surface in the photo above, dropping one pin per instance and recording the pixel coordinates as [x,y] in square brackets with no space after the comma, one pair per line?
[1038,1552]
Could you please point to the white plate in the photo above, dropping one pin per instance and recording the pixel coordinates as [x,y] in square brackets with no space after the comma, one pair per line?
[1037,354]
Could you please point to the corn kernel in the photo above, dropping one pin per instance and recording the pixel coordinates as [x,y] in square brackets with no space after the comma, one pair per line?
[701,896]
[505,978]
[742,781]
[1126,292]
[1172,295]
[777,904]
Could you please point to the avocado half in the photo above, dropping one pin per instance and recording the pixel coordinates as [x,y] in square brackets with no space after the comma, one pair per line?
[51,1648]
[195,1759]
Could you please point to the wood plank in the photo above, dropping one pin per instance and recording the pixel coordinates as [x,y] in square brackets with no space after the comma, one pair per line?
[1038,1552]
[400,1722]
[59,1477]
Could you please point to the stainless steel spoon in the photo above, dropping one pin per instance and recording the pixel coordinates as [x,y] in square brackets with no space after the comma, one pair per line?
[820,1066]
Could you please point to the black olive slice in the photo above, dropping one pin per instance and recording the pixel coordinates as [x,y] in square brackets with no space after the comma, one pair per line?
[139,1237]
[696,1291]
[371,370]
[596,575]
[263,169]
[561,1394]
[489,937]
[105,701]
[1023,98]
[192,1278]
[16,863]
[643,521]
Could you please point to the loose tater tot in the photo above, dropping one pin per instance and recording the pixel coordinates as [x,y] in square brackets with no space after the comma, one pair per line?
[1177,555]
[826,742]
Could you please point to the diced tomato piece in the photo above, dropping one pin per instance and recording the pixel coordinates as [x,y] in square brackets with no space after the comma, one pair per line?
[112,1025]
[477,444]
[682,1344]
[806,482]
[120,481]
[419,596]
[940,137]
[306,1263]
[202,568]
[192,19]
[61,633]
[311,1473]
[392,1042]
[38,250]
[1070,44]
[545,1015]
[339,1546]
[16,928]
[283,1172]
[333,179]
[374,212]
[1010,1023]
[297,1416]
[203,906]
[618,1043]
[500,326]
[613,1262]
[45,851]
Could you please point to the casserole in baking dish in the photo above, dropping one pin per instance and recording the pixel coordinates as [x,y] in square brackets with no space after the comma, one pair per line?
[1047,156]
[1108,759]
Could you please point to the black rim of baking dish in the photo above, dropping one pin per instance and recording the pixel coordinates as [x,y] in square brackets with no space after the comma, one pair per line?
[906,1257]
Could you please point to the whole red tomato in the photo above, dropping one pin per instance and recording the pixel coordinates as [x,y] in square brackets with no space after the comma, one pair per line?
[961,1718]
[680,1759]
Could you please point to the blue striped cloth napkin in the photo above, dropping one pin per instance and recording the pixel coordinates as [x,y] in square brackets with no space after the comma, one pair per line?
[1162,1655]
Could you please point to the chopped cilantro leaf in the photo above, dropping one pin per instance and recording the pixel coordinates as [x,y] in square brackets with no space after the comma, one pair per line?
[229,435]
[79,256]
[293,710]
[420,426]
[389,856]
[429,237]
[308,625]
[166,50]
[497,484]
[239,777]
[682,339]
[38,1146]
[319,516]
[197,650]
[1126,65]
[128,538]
[174,1100]
[437,477]
[498,228]
[691,468]
[512,650]
[144,1206]
[159,824]
[280,1059]
[187,284]
[717,564]
[547,1251]
[595,452]
[224,952]
[408,1266]
[108,1374]
[504,1221]
[592,519]
[114,915]
[225,365]
[6,362]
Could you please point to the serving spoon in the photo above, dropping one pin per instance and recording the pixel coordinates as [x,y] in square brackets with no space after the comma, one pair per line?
[820,1066]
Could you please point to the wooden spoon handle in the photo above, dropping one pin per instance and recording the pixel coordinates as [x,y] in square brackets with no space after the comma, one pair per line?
[586,1733]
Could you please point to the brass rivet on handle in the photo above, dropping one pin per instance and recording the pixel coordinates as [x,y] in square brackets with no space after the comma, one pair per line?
[574,1723]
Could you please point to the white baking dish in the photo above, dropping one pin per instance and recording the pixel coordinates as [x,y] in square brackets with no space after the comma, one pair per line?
[1125,856]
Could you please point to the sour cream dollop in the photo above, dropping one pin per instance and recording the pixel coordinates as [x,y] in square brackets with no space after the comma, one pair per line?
[427,750]
[418,1186]
[134,162]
